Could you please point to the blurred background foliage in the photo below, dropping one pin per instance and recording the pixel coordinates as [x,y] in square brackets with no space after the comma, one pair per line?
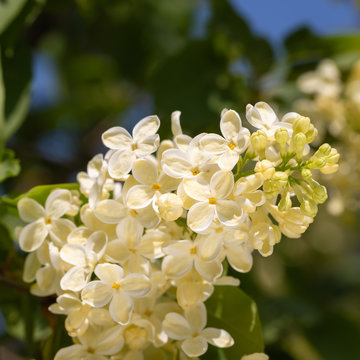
[71,69]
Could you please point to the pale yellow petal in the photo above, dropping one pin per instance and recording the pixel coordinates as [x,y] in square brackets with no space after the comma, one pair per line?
[97,293]
[120,163]
[32,236]
[213,143]
[139,196]
[196,317]
[117,138]
[218,337]
[230,124]
[221,184]
[229,212]
[200,216]
[136,285]
[58,203]
[176,326]
[194,346]
[110,211]
[121,307]
[30,210]
[145,171]
[109,273]
[146,127]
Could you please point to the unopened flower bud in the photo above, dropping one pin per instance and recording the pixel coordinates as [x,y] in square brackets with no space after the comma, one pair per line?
[309,207]
[259,141]
[285,202]
[266,168]
[299,143]
[282,136]
[311,134]
[306,174]
[320,194]
[281,178]
[333,157]
[324,150]
[301,125]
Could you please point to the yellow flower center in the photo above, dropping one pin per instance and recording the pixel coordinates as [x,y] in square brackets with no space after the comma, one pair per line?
[193,250]
[115,285]
[231,145]
[196,172]
[148,313]
[219,229]
[212,201]
[133,212]
[134,147]
[91,350]
[156,187]
[48,220]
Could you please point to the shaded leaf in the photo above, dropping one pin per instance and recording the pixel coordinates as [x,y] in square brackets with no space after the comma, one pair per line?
[9,165]
[9,9]
[231,309]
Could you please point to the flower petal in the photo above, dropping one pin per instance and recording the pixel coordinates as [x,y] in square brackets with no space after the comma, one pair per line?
[58,203]
[73,254]
[70,352]
[110,211]
[200,216]
[120,163]
[145,171]
[221,184]
[228,160]
[196,317]
[240,258]
[136,285]
[121,307]
[130,230]
[97,293]
[60,229]
[75,279]
[176,266]
[109,273]
[197,188]
[147,146]
[208,270]
[117,251]
[218,337]
[176,326]
[30,210]
[146,127]
[230,125]
[139,196]
[176,163]
[213,143]
[229,212]
[194,347]
[32,236]
[96,244]
[117,138]
[110,341]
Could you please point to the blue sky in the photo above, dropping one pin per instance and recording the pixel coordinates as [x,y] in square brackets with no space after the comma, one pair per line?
[276,18]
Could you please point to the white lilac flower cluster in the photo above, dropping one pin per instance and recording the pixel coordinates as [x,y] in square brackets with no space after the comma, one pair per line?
[133,264]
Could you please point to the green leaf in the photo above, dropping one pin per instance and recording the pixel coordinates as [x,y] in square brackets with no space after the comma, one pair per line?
[16,69]
[9,9]
[9,165]
[231,309]
[40,193]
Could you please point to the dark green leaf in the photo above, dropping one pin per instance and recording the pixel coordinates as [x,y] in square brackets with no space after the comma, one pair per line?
[9,165]
[9,9]
[231,309]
